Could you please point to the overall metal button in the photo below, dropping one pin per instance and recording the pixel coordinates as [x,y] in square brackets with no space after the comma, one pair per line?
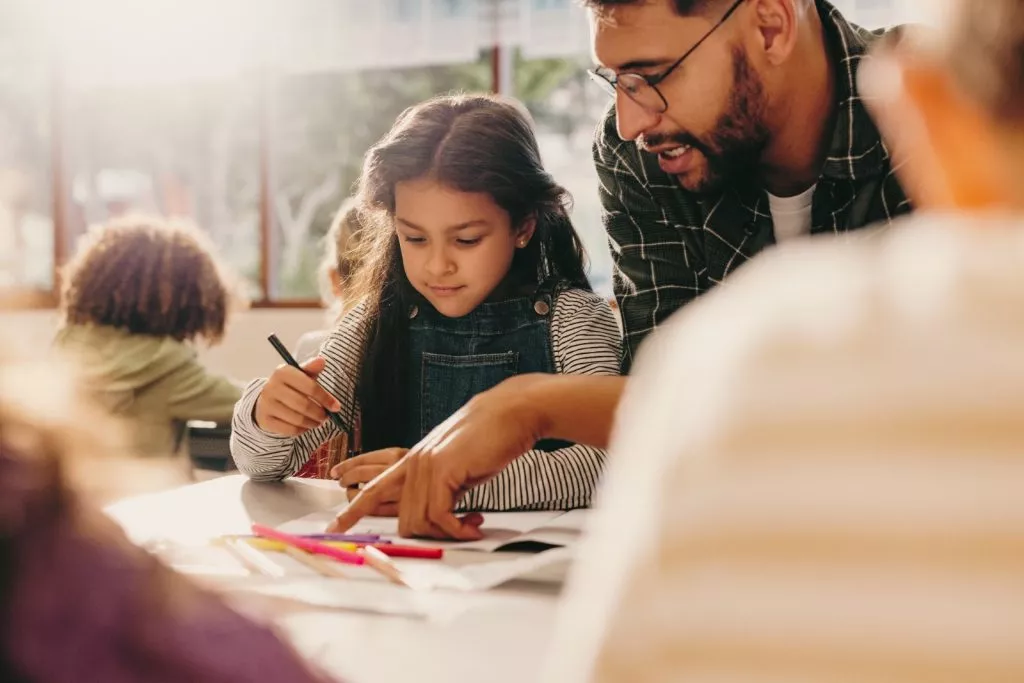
[541,307]
[413,312]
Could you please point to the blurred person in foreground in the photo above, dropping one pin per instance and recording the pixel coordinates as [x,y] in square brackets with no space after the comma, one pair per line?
[77,600]
[838,497]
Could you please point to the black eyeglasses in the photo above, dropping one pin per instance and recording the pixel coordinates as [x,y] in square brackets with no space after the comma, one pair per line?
[644,89]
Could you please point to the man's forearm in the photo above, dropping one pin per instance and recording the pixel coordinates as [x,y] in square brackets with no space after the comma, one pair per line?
[577,408]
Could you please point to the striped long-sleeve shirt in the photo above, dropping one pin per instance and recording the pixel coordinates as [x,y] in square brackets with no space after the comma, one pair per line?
[585,340]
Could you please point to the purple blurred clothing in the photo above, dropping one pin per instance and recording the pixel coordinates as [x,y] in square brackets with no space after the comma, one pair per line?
[84,604]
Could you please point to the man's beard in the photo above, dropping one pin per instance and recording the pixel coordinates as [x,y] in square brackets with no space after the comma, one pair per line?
[734,147]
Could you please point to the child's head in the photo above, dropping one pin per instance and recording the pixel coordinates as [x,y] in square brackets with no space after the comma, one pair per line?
[457,208]
[339,260]
[148,276]
[461,206]
[951,106]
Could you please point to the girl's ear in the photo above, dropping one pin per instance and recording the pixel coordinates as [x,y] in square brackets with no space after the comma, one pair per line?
[335,279]
[524,233]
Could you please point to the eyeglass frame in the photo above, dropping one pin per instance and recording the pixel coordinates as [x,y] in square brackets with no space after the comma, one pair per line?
[610,84]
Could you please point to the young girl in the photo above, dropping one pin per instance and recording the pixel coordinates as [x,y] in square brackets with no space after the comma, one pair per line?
[472,274]
[77,600]
[135,297]
[335,274]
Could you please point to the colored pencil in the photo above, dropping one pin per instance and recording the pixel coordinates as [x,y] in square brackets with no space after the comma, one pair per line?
[410,551]
[255,561]
[278,546]
[315,547]
[382,564]
[389,549]
[349,538]
[287,358]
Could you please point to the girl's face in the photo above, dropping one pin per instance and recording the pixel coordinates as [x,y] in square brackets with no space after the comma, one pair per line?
[456,246]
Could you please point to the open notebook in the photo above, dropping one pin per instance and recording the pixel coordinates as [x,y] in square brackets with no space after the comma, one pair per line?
[521,531]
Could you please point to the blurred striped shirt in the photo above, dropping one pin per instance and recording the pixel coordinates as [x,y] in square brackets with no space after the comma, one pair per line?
[818,475]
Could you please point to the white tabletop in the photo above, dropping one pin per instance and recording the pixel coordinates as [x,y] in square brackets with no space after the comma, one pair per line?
[498,635]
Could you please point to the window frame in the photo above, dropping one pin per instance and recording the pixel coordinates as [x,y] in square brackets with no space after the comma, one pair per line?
[43,299]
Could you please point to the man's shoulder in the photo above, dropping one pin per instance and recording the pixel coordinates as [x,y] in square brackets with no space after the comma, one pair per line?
[927,280]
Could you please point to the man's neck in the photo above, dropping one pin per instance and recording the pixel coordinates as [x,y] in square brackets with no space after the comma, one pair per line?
[804,125]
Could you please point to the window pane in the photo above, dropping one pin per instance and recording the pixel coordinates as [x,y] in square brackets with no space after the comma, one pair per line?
[161,115]
[323,123]
[178,149]
[877,13]
[566,107]
[26,223]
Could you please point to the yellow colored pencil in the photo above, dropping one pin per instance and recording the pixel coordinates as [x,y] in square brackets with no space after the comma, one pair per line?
[277,546]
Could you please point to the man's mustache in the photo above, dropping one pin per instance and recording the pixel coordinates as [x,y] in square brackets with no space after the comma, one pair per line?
[654,140]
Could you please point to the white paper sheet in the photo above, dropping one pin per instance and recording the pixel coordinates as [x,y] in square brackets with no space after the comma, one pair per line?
[215,565]
[564,531]
[357,597]
[487,575]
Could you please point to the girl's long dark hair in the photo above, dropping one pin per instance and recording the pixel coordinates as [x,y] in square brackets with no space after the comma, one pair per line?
[471,143]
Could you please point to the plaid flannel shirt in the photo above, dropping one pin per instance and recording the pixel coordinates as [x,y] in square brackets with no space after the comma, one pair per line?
[669,246]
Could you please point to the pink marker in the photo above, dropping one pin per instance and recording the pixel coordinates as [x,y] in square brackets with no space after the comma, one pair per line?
[310,546]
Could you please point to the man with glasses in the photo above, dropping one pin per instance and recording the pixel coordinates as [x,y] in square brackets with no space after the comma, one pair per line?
[736,125]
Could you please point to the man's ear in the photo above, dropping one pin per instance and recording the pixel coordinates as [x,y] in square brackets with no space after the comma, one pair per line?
[776,23]
[943,145]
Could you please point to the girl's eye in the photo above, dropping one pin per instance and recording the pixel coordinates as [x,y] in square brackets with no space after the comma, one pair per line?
[414,240]
[468,242]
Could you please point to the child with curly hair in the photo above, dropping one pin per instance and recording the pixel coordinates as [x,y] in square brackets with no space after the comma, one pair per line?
[136,299]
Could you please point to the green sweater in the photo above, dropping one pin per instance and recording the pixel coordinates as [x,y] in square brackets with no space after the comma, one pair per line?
[156,383]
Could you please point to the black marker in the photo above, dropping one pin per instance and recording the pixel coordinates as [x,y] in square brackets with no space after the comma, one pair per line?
[280,348]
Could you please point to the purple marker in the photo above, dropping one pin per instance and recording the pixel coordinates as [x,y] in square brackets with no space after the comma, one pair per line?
[347,538]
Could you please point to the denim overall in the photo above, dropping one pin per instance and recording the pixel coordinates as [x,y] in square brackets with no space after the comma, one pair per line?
[453,359]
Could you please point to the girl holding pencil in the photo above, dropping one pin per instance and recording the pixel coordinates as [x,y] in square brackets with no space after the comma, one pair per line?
[470,273]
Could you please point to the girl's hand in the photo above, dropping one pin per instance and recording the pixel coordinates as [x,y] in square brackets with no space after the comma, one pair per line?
[291,402]
[363,469]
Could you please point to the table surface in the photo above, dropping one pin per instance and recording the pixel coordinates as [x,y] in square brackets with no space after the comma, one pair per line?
[498,635]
